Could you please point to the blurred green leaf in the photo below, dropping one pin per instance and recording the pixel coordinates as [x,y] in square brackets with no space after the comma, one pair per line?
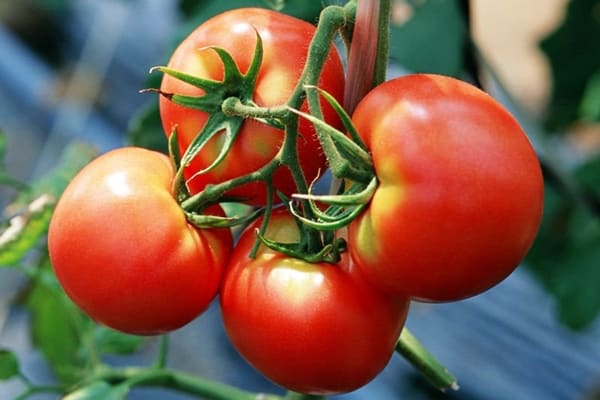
[196,12]
[54,326]
[109,341]
[22,232]
[275,4]
[574,54]
[29,215]
[145,129]
[590,104]
[566,254]
[99,391]
[9,365]
[429,36]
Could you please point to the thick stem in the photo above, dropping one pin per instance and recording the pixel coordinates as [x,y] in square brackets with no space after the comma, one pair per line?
[301,396]
[331,20]
[414,352]
[368,55]
[181,382]
[163,351]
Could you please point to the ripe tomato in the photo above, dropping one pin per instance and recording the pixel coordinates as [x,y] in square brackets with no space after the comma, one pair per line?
[123,251]
[460,189]
[311,328]
[285,42]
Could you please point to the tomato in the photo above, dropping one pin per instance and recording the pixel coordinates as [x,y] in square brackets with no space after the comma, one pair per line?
[123,251]
[460,192]
[285,41]
[311,328]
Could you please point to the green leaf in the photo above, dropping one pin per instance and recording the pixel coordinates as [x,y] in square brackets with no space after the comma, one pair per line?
[22,232]
[589,109]
[145,129]
[109,341]
[54,326]
[573,54]
[99,391]
[9,365]
[275,4]
[430,37]
[197,11]
[31,211]
[566,254]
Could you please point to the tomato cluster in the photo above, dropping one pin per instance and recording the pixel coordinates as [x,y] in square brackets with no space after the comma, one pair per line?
[457,206]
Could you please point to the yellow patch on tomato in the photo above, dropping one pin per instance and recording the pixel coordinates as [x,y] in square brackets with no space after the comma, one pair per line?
[296,280]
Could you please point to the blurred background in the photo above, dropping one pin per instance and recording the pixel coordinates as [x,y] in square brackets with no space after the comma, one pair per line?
[71,70]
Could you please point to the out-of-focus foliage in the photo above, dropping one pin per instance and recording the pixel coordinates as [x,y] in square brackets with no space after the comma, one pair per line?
[566,255]
[574,54]
[428,36]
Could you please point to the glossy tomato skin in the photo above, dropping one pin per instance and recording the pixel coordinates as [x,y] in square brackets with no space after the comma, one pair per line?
[311,328]
[285,42]
[460,191]
[123,251]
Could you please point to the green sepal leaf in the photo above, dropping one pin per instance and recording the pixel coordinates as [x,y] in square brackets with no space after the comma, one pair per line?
[344,207]
[99,391]
[342,114]
[347,159]
[330,253]
[208,85]
[203,221]
[9,365]
[229,127]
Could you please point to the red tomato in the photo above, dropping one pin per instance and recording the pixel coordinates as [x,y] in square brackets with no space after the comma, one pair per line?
[460,190]
[311,328]
[123,251]
[285,41]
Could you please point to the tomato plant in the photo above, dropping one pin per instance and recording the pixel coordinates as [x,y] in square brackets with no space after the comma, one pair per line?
[285,41]
[312,328]
[123,250]
[460,189]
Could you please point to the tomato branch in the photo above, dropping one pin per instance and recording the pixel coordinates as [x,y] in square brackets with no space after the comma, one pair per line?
[419,357]
[178,381]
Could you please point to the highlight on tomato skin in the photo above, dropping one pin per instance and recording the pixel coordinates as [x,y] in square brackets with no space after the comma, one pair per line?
[123,251]
[285,41]
[311,328]
[460,194]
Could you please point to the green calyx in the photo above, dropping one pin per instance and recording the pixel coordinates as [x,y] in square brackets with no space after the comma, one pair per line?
[235,85]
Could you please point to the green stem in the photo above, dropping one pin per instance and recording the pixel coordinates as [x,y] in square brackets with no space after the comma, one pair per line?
[181,382]
[415,353]
[383,42]
[163,352]
[300,396]
[331,20]
[213,193]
